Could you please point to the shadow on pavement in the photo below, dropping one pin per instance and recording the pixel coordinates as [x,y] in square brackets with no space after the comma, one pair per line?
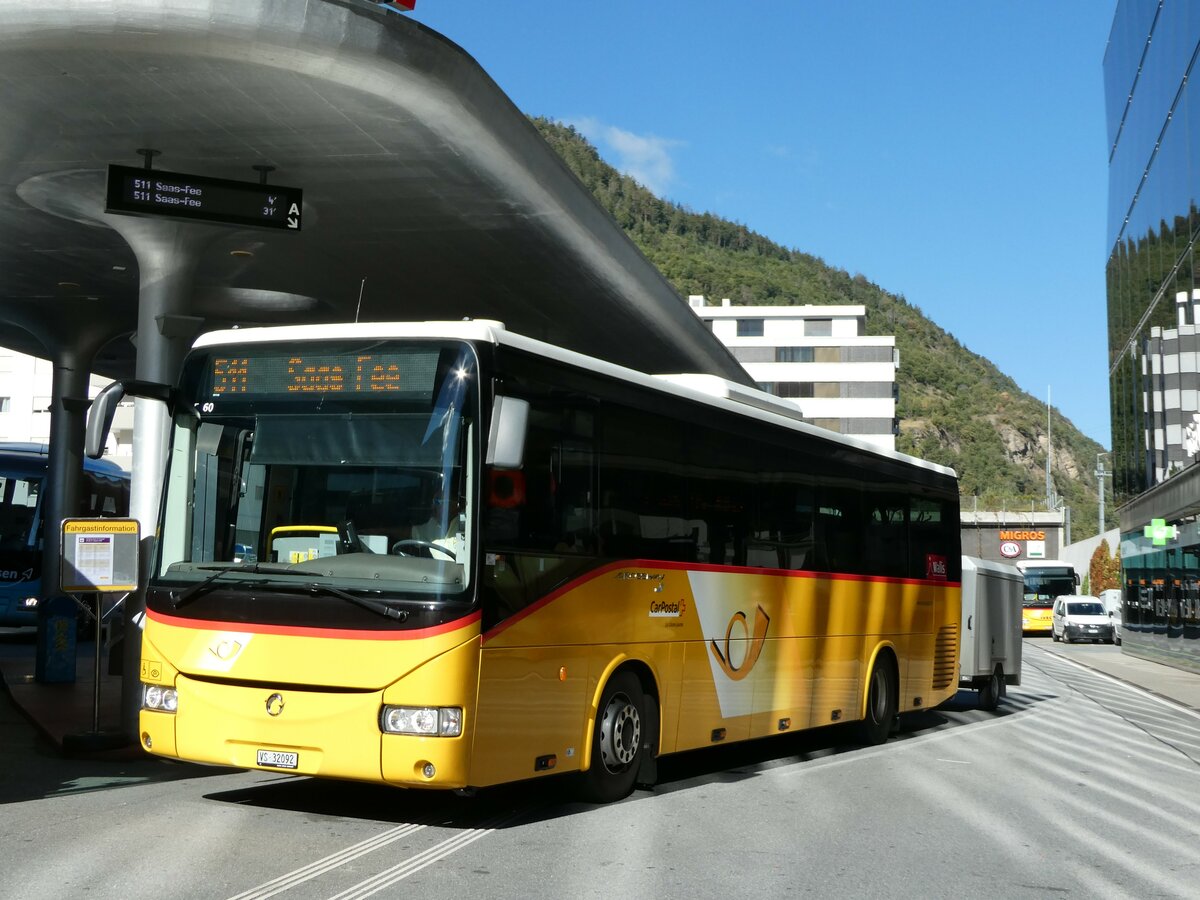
[32,760]
[556,796]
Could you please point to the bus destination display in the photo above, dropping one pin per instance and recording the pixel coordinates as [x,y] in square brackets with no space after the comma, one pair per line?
[396,372]
[149,192]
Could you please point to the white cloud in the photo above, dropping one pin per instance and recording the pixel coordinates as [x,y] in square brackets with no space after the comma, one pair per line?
[645,158]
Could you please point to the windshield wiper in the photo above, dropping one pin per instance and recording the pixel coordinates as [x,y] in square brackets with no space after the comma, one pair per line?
[190,593]
[375,606]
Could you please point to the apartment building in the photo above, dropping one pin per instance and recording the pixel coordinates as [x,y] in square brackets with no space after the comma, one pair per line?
[25,391]
[817,357]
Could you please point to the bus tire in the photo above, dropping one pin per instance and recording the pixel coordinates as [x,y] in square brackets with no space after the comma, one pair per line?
[881,711]
[992,690]
[617,740]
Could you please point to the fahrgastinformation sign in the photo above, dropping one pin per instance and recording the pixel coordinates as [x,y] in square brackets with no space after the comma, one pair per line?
[99,555]
[149,192]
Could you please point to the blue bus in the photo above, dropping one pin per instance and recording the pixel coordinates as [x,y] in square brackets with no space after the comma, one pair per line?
[22,474]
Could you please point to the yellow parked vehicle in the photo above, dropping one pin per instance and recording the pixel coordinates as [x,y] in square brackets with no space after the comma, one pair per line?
[520,561]
[1045,580]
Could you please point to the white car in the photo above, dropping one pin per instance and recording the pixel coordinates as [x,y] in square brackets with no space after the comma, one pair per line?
[1080,618]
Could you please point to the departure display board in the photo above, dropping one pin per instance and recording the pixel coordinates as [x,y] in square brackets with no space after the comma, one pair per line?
[392,372]
[149,192]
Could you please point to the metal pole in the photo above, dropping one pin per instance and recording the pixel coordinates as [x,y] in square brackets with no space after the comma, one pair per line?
[1049,455]
[96,686]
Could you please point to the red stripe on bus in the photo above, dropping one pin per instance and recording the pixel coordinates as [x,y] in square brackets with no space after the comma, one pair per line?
[789,573]
[553,595]
[356,634]
[700,567]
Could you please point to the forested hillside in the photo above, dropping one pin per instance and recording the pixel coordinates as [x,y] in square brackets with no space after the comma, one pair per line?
[955,406]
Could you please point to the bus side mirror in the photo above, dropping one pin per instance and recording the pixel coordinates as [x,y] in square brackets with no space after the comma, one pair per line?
[506,441]
[104,407]
[100,418]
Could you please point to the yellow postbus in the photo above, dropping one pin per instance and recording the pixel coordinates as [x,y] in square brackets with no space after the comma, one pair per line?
[519,561]
[1045,580]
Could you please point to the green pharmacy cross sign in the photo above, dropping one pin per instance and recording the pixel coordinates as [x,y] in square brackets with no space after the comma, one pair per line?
[1159,532]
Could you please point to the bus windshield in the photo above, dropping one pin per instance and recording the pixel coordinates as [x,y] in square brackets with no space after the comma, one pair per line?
[1042,586]
[19,494]
[104,491]
[345,469]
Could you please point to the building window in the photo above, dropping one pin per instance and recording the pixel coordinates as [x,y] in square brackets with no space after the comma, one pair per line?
[793,354]
[818,327]
[793,389]
[753,354]
[867,426]
[749,327]
[880,390]
[869,354]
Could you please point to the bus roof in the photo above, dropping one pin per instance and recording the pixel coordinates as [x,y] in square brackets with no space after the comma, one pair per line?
[28,456]
[702,388]
[1024,564]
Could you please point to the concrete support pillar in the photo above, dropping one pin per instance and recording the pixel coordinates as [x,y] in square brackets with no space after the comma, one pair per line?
[64,464]
[68,408]
[167,255]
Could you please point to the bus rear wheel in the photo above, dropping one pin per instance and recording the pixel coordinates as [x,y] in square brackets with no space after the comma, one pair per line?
[881,702]
[617,740]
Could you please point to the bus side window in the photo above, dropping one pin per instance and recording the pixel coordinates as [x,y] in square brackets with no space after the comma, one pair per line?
[930,534]
[554,513]
[887,535]
[540,520]
[644,475]
[840,530]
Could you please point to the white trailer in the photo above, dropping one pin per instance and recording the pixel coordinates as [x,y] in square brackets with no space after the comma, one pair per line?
[990,650]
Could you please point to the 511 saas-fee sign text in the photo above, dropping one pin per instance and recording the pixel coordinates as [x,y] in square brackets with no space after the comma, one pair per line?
[148,192]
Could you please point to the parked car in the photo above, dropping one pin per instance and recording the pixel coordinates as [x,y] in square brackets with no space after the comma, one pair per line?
[1079,617]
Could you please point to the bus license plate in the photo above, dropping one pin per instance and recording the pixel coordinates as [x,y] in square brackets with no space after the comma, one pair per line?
[278,759]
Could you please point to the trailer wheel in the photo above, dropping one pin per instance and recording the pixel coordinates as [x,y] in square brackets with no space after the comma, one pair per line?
[990,693]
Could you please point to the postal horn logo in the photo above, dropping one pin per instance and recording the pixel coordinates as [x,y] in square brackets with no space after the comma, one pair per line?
[754,647]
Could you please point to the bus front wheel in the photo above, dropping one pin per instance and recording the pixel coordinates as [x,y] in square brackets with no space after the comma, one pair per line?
[881,702]
[617,740]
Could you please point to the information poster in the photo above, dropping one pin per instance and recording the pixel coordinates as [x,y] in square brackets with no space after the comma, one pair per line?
[100,554]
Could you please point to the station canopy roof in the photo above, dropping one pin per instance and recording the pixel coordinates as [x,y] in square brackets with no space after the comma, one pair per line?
[426,193]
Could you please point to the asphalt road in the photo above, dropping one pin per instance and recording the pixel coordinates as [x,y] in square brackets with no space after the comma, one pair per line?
[1078,785]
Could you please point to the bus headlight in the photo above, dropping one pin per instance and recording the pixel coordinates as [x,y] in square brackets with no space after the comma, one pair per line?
[159,698]
[432,721]
[28,603]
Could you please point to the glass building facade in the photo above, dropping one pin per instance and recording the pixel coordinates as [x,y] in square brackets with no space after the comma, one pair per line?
[1153,130]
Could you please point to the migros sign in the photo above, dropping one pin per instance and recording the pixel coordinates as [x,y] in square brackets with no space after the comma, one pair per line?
[1022,535]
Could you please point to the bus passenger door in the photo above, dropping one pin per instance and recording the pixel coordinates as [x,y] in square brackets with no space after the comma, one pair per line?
[540,618]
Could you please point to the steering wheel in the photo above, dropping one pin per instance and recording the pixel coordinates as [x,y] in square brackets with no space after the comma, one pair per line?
[428,546]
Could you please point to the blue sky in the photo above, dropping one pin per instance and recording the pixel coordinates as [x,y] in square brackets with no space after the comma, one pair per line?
[951,152]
